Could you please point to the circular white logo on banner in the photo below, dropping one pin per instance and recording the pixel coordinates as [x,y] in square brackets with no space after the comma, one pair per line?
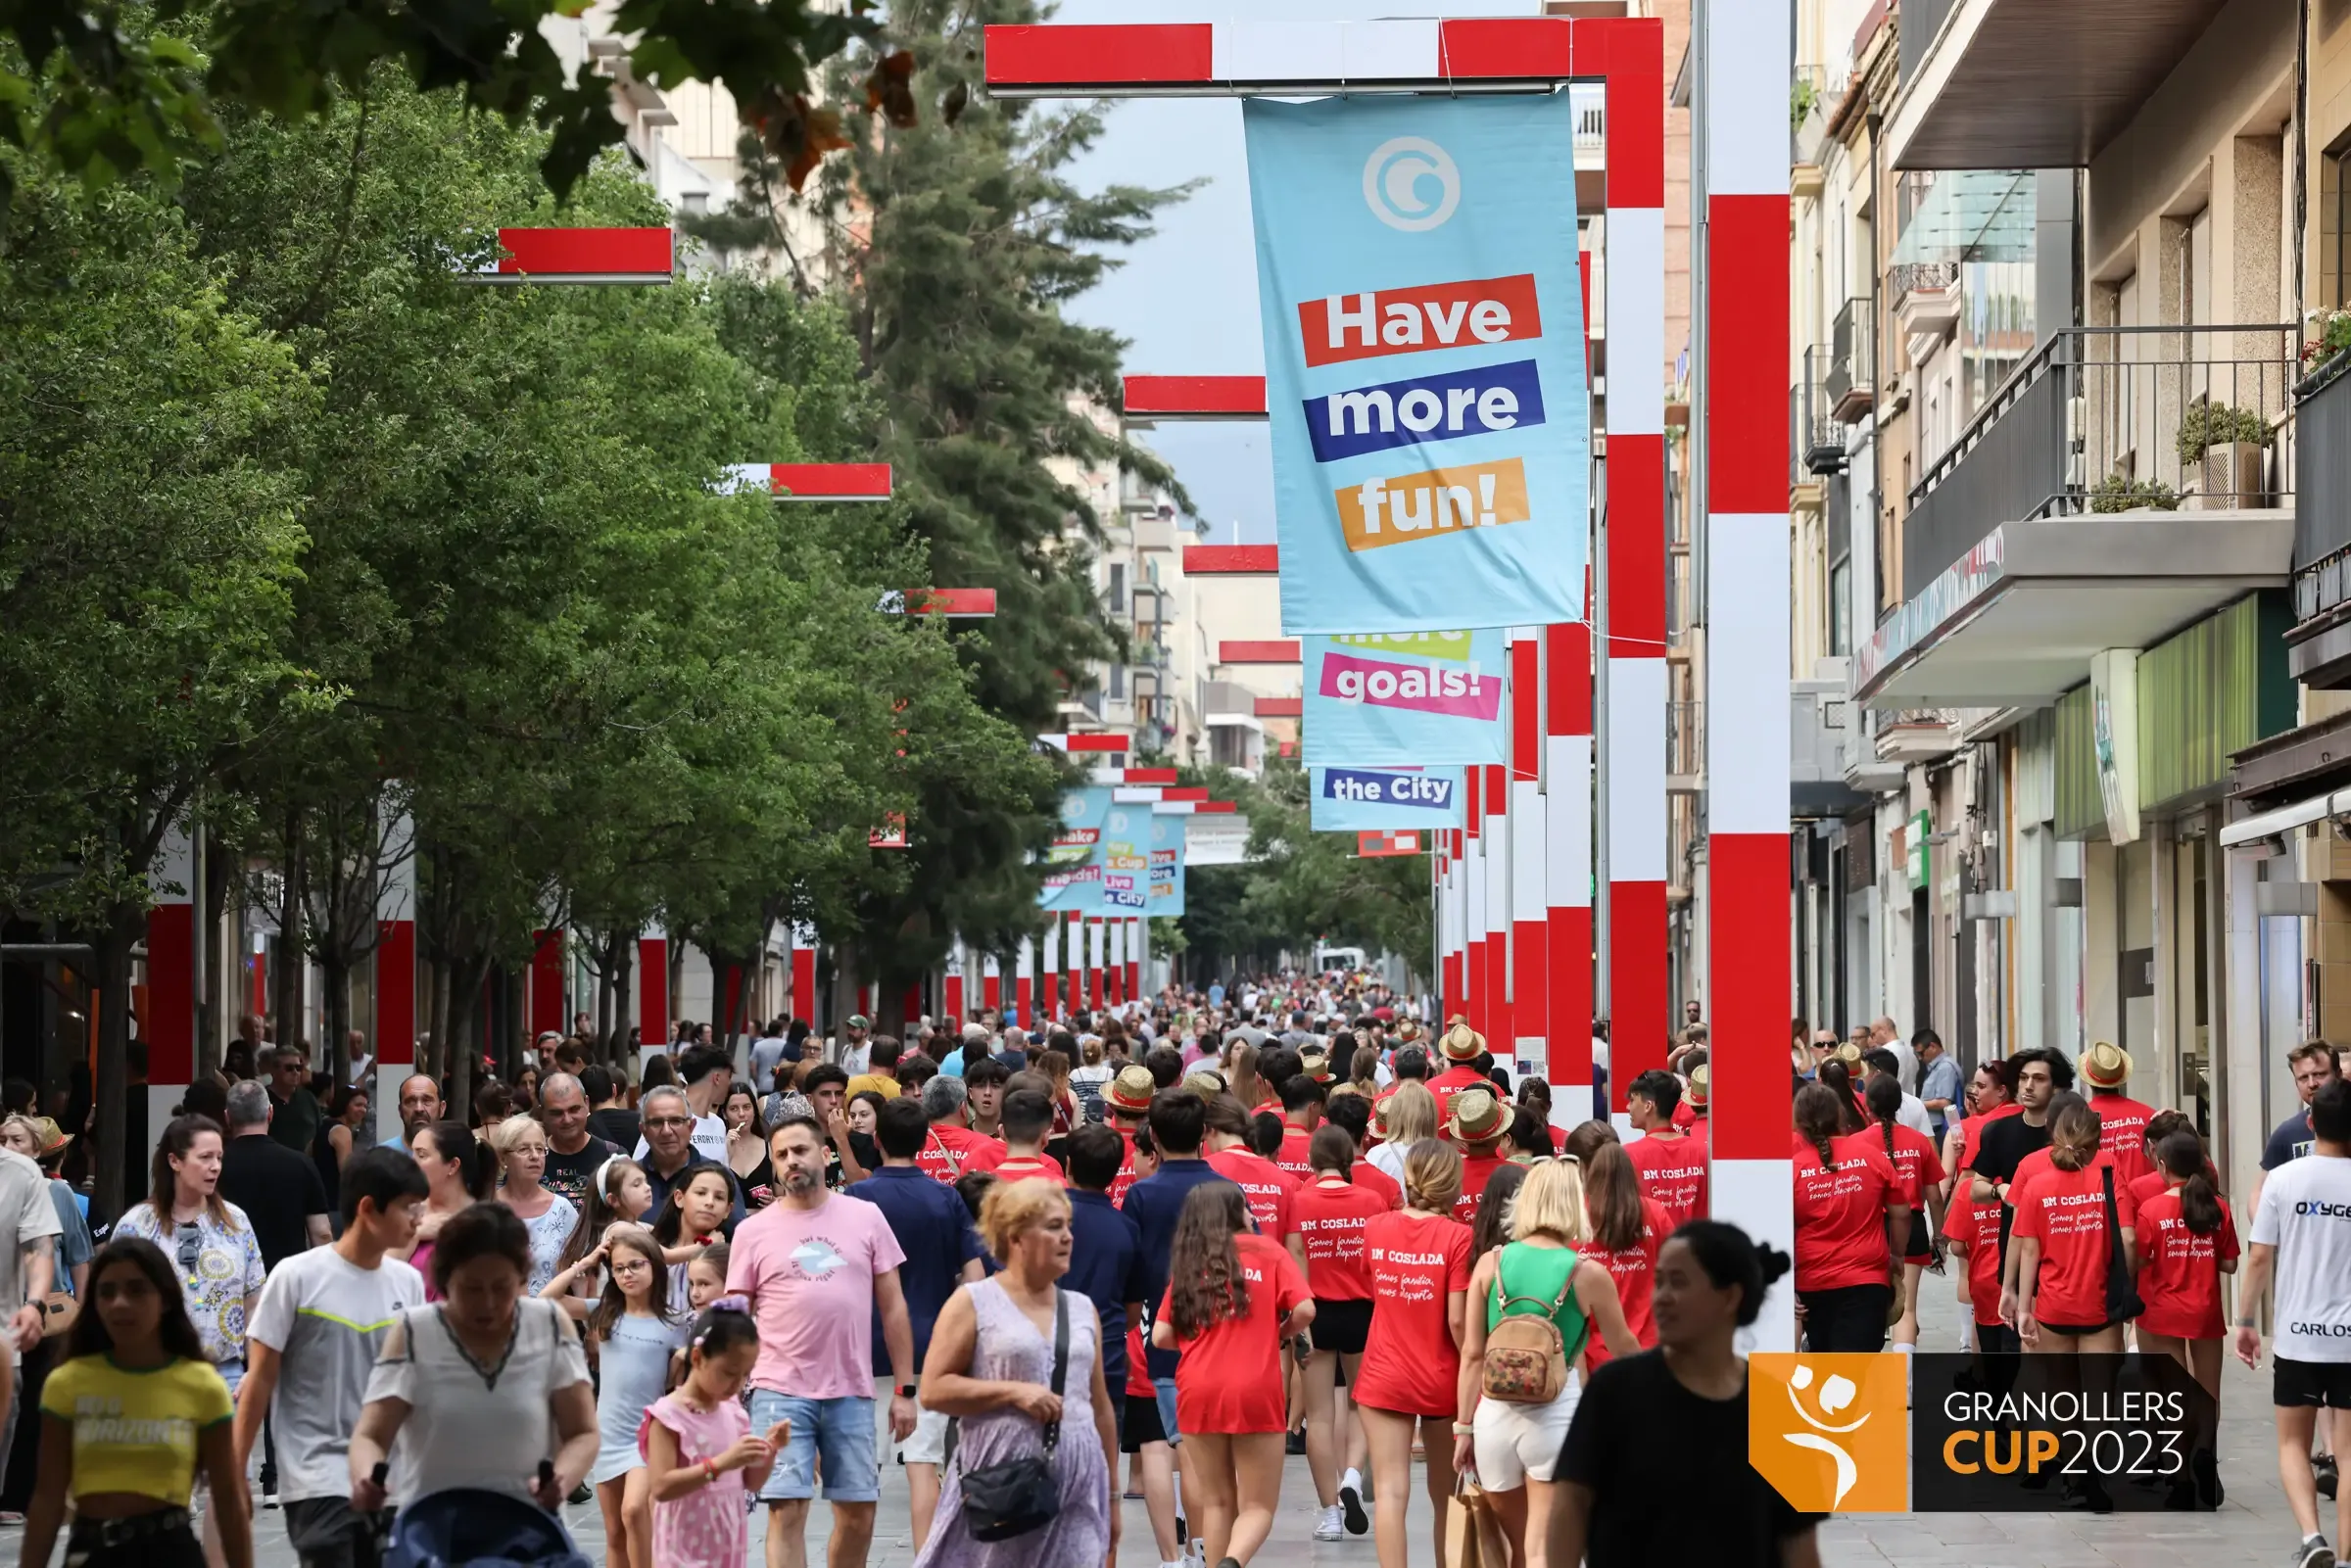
[1393,187]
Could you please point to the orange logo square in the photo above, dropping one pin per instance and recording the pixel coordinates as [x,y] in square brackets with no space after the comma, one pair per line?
[1831,1433]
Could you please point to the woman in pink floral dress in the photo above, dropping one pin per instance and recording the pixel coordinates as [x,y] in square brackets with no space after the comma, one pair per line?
[697,1443]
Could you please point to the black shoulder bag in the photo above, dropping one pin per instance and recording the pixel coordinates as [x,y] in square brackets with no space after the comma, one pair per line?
[2122,1287]
[1012,1497]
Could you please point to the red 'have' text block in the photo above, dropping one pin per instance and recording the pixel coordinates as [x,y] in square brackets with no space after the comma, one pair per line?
[1415,320]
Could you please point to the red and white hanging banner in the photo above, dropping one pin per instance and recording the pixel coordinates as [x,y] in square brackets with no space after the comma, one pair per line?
[1389,841]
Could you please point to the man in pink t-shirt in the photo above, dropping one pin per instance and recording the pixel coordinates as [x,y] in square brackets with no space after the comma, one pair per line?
[817,1267]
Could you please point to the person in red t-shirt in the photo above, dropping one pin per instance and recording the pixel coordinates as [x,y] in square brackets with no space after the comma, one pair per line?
[2122,1121]
[2060,1242]
[951,1142]
[1478,1123]
[1233,1297]
[1990,1098]
[1673,1166]
[1263,1182]
[1627,1228]
[1973,1229]
[1912,1154]
[1301,1111]
[2187,1240]
[1153,1471]
[1352,1113]
[1420,1259]
[1848,1199]
[1463,1046]
[1126,1104]
[1329,1214]
[2161,1125]
[1028,1118]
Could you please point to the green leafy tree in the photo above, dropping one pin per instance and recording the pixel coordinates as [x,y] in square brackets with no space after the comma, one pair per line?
[150,534]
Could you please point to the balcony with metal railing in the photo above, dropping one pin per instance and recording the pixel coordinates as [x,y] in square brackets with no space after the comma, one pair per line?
[2318,648]
[1685,747]
[1816,441]
[1853,378]
[2113,419]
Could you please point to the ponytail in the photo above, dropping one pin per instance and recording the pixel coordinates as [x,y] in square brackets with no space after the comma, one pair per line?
[2182,1154]
[1817,1120]
[1884,1097]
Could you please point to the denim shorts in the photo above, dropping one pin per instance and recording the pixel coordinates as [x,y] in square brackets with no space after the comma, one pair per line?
[838,1431]
[1164,1389]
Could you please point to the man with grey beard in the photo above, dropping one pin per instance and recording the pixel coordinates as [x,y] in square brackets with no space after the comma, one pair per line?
[816,1267]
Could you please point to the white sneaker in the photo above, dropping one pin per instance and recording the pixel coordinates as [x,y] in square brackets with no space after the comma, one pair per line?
[1330,1526]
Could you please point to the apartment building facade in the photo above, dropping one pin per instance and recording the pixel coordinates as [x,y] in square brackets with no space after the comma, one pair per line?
[2049,419]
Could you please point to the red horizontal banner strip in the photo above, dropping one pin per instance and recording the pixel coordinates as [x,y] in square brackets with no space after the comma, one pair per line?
[952,601]
[1100,743]
[1134,53]
[831,480]
[1276,650]
[1195,397]
[1280,707]
[1232,560]
[562,252]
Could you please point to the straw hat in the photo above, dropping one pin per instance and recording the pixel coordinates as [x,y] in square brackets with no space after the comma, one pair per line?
[2106,1066]
[1408,1032]
[1477,1118]
[1696,1091]
[1462,1043]
[1132,1090]
[1315,1063]
[1203,1083]
[1849,1053]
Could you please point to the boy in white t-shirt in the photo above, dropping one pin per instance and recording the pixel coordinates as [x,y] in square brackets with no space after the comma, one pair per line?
[2302,1239]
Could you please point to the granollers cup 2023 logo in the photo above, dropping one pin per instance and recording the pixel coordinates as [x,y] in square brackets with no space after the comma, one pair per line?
[1980,1434]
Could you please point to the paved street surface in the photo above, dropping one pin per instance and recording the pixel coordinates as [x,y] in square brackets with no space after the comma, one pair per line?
[2252,1527]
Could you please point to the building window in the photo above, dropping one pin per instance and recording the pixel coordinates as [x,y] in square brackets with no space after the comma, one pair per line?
[2335,224]
[1118,682]
[1117,587]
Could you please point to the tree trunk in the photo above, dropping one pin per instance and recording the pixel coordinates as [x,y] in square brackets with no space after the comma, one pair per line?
[211,900]
[624,984]
[293,956]
[336,977]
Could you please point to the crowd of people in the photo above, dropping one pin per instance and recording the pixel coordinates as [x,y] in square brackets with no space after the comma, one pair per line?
[1188,1238]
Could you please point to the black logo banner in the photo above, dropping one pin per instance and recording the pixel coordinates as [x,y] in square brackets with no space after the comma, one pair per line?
[2029,1434]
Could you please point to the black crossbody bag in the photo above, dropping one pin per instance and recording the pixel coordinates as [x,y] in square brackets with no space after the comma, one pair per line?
[2122,1287]
[1014,1497]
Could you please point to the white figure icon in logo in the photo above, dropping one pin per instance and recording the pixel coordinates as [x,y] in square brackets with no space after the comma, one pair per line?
[1392,183]
[1836,1395]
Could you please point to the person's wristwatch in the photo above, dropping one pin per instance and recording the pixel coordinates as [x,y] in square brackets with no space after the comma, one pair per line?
[905,1390]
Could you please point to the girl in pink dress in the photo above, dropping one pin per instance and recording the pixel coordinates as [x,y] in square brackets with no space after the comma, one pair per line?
[697,1443]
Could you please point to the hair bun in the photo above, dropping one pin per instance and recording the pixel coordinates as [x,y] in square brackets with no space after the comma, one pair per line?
[1771,1261]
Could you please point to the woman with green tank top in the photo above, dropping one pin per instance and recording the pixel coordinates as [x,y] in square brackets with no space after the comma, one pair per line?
[1511,1448]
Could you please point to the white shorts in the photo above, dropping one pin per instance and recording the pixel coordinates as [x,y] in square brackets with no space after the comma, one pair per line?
[926,1444]
[1514,1443]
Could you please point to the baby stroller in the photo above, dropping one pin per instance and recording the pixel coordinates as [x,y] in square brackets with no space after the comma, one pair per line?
[483,1529]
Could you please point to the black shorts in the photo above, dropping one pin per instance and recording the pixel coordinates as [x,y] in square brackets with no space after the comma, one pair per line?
[325,1533]
[2079,1329]
[1997,1339]
[2311,1383]
[1139,1423]
[1921,1246]
[1342,1327]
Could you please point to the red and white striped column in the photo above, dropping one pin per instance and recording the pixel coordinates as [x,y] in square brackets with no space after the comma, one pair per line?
[1115,971]
[1134,960]
[1567,867]
[991,983]
[1530,1012]
[1074,961]
[1049,992]
[395,970]
[652,986]
[1497,1027]
[951,993]
[1452,939]
[169,1024]
[1474,901]
[1024,983]
[1743,107]
[1639,1008]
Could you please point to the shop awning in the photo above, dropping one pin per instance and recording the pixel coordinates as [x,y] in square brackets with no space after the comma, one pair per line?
[2286,819]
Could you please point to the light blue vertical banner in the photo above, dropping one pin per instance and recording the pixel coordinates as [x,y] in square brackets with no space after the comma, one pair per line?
[1370,799]
[1424,359]
[1168,830]
[1074,863]
[1406,697]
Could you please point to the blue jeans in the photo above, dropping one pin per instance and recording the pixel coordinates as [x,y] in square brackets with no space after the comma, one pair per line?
[839,1432]
[1163,1390]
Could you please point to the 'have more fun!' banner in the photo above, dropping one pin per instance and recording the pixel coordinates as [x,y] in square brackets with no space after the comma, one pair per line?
[1367,799]
[1422,318]
[1112,859]
[1405,697]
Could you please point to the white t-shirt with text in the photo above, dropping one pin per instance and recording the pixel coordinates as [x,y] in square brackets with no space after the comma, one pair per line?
[2306,1214]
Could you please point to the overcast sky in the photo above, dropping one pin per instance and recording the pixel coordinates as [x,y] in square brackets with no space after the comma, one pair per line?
[1186,299]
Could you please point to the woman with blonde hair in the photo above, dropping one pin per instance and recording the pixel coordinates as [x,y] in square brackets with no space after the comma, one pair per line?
[1513,1445]
[1404,1118]
[1420,1264]
[991,1367]
[520,1143]
[1240,1074]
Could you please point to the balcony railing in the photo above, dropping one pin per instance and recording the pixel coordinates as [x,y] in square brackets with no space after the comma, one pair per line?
[2111,419]
[1685,740]
[1852,379]
[1816,439]
[2323,475]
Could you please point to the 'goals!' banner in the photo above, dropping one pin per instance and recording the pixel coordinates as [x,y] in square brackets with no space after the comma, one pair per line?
[1405,697]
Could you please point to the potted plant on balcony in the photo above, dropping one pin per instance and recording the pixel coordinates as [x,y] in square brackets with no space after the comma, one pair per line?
[2323,353]
[2225,444]
[2119,492]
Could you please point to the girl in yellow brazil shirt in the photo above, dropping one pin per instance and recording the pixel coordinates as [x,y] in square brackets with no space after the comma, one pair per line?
[125,1423]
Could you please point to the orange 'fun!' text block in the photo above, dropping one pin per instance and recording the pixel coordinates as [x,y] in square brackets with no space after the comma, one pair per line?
[1434,501]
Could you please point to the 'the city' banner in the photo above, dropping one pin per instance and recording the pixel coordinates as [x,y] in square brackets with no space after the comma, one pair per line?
[1424,373]
[1405,697]
[1358,800]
